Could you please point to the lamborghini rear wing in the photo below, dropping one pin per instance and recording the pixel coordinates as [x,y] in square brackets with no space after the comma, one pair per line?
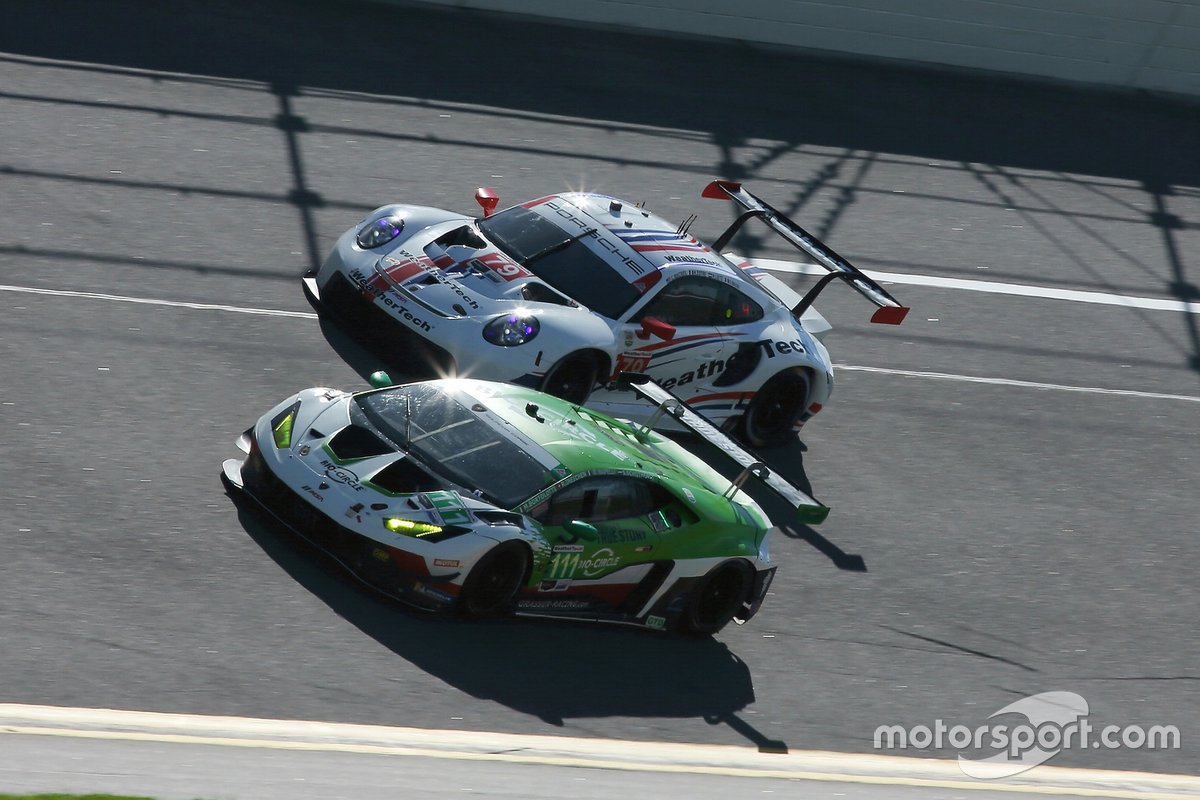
[890,312]
[810,511]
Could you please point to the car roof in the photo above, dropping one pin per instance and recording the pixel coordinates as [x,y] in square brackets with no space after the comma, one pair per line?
[578,439]
[640,239]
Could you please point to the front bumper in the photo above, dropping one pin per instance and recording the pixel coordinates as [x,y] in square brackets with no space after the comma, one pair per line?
[341,299]
[389,570]
[762,583]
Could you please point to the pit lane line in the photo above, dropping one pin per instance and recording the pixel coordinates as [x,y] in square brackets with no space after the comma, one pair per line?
[562,751]
[275,312]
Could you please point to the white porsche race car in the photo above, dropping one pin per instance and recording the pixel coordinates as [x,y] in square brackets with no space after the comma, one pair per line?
[565,292]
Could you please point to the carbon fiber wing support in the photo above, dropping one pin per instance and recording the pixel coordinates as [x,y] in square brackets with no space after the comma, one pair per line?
[890,311]
[809,510]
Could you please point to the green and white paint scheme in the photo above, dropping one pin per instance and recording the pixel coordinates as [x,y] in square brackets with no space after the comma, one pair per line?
[493,498]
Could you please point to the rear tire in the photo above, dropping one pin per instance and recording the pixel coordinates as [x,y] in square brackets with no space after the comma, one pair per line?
[494,581]
[720,594]
[773,412]
[572,378]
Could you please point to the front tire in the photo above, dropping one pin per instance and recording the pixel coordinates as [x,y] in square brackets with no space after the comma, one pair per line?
[494,581]
[719,596]
[776,407]
[572,378]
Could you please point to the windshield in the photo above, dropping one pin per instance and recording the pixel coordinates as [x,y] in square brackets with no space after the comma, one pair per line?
[454,442]
[561,261]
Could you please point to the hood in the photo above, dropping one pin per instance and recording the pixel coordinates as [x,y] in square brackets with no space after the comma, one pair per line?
[450,269]
[349,461]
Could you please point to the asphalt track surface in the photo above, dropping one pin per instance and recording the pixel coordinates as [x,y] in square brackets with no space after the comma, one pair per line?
[987,541]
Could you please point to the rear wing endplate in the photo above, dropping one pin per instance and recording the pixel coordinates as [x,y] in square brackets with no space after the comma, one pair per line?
[890,312]
[809,510]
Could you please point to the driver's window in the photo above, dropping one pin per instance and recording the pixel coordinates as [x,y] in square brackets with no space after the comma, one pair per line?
[597,500]
[686,301]
[701,301]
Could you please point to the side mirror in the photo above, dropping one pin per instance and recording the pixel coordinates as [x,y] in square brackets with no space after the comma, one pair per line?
[488,199]
[655,326]
[582,530]
[380,379]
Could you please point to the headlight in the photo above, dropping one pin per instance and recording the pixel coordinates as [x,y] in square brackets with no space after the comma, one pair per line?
[409,527]
[511,329]
[379,231]
[281,425]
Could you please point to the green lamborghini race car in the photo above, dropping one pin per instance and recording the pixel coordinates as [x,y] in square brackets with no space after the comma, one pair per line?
[490,498]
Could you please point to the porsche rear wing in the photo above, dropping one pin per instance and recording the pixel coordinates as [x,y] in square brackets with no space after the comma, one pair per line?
[809,510]
[890,312]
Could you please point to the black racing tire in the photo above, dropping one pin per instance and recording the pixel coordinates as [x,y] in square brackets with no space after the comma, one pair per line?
[572,378]
[718,596]
[494,581]
[774,410]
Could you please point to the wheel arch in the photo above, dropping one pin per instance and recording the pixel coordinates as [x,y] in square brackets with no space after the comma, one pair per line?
[692,621]
[810,377]
[602,359]
[598,359]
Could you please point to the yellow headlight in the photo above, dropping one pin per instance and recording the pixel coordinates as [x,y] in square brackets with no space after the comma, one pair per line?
[281,426]
[409,527]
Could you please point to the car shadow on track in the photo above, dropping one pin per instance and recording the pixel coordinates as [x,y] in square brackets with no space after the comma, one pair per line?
[787,460]
[549,669]
[365,356]
[366,353]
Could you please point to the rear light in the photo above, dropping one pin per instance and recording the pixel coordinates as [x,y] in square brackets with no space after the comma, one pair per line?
[814,408]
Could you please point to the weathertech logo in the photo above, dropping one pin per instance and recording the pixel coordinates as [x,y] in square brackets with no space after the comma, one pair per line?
[371,290]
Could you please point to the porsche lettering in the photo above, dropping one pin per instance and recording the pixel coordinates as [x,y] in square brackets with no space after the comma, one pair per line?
[611,246]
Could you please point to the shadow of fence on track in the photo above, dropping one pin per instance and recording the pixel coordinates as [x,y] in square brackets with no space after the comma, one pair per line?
[298,48]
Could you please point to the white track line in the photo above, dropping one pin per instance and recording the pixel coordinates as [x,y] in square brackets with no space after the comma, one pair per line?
[994,287]
[595,753]
[1058,387]
[150,301]
[275,312]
